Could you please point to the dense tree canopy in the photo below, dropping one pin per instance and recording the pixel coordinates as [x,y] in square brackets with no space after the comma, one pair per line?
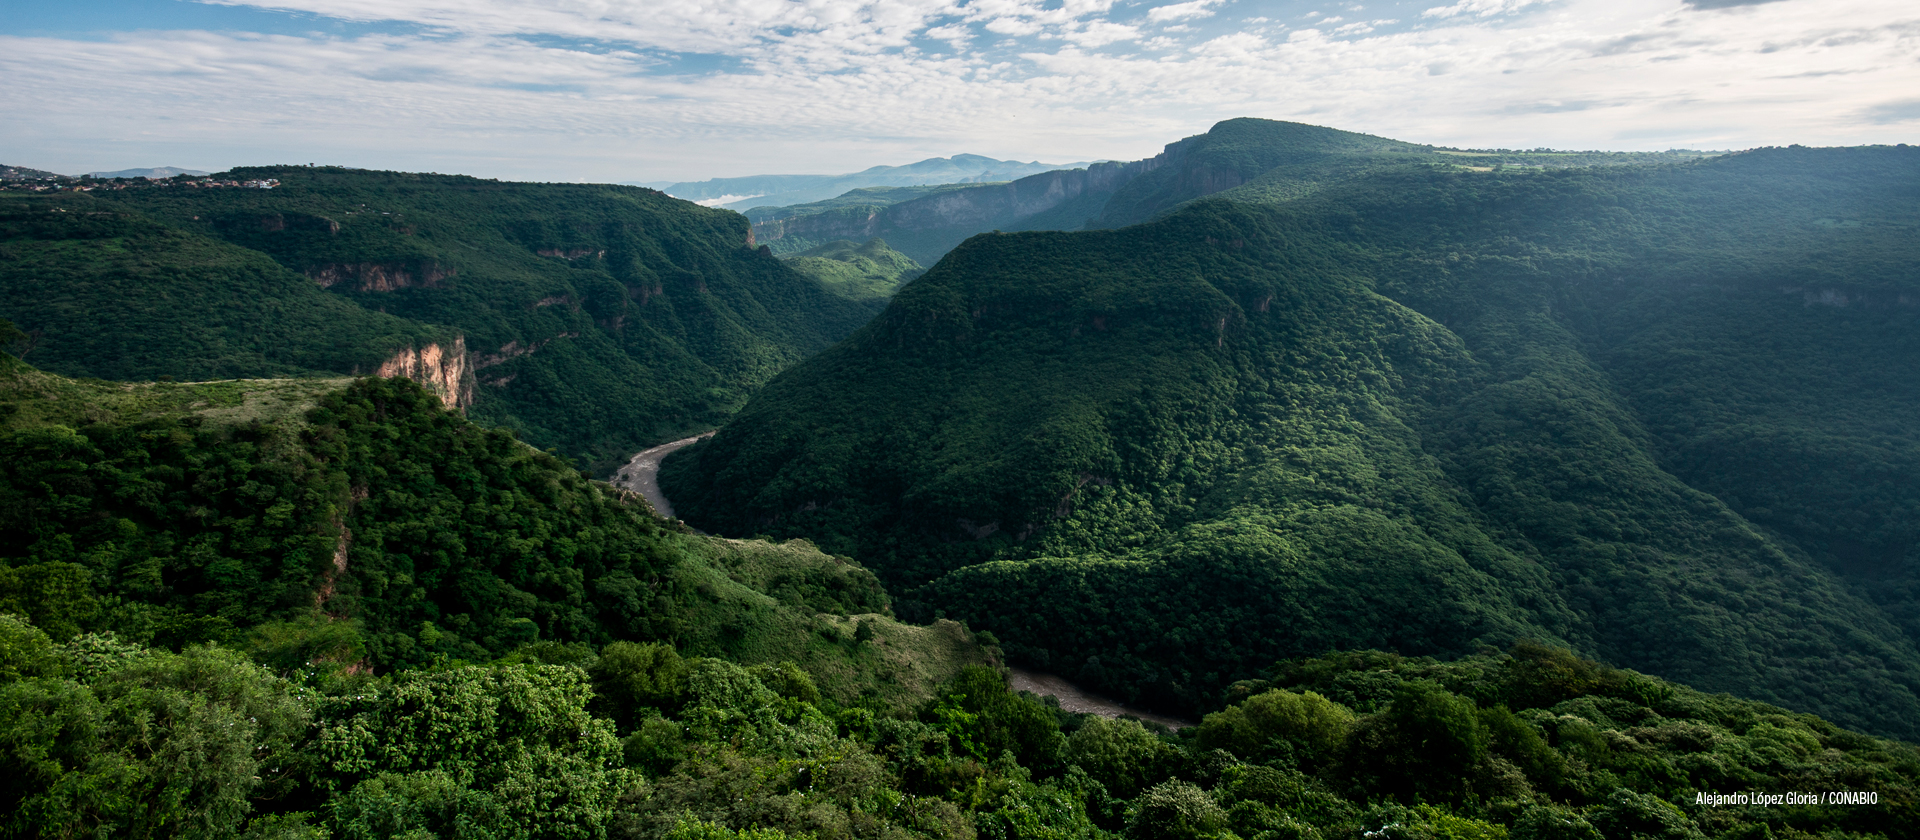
[1653,413]
[600,319]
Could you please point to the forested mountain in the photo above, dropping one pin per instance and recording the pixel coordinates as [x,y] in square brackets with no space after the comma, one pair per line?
[1338,393]
[869,271]
[1260,159]
[1659,414]
[310,608]
[359,521]
[595,319]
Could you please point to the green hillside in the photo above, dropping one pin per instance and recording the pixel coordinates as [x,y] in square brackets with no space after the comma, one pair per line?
[1233,153]
[858,214]
[868,271]
[1244,159]
[359,520]
[117,294]
[1652,413]
[308,608]
[596,319]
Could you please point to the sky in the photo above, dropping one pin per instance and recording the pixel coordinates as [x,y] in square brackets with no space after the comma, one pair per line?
[664,90]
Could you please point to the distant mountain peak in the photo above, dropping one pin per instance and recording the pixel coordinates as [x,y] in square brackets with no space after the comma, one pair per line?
[154,172]
[787,190]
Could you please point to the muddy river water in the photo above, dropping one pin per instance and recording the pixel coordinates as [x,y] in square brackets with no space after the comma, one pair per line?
[642,474]
[1074,699]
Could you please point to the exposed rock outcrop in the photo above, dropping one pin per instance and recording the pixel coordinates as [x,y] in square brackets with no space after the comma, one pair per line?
[380,276]
[443,369]
[514,350]
[569,253]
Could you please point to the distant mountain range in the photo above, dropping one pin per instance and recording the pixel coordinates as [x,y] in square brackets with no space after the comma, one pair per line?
[155,172]
[22,173]
[925,222]
[782,190]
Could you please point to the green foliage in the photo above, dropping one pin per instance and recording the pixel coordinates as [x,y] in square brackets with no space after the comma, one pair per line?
[1648,413]
[25,650]
[508,748]
[307,641]
[690,828]
[1304,727]
[629,679]
[102,737]
[1549,822]
[427,803]
[150,746]
[655,747]
[1157,459]
[1121,755]
[1635,816]
[1231,153]
[985,719]
[868,271]
[600,319]
[1421,748]
[9,336]
[1175,810]
[110,291]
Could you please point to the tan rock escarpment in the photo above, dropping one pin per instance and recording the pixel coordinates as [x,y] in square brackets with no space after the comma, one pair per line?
[445,370]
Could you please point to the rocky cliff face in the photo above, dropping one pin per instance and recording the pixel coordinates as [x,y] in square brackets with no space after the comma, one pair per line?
[443,369]
[379,276]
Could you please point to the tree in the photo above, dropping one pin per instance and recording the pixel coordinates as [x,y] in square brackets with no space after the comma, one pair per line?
[1120,754]
[519,734]
[630,678]
[147,744]
[1307,726]
[9,335]
[1425,746]
[1175,810]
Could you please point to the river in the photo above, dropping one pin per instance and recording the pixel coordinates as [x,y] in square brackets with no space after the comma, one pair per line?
[1074,699]
[642,474]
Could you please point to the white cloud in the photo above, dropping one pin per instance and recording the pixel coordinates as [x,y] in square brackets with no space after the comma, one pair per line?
[1101,33]
[1015,26]
[1480,8]
[954,34]
[1239,46]
[827,85]
[1183,11]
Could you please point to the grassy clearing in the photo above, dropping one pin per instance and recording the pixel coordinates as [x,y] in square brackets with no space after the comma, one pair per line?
[757,602]
[30,397]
